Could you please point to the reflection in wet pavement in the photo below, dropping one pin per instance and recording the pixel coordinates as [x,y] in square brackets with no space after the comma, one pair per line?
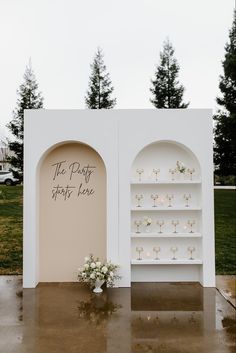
[227,287]
[146,318]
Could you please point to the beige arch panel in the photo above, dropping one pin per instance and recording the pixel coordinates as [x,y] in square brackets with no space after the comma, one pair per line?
[72,210]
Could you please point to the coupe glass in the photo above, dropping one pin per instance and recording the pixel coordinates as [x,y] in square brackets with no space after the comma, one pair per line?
[160,224]
[139,249]
[174,249]
[191,249]
[154,197]
[156,250]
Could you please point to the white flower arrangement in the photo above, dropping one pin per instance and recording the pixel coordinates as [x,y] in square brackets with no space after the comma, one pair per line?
[181,168]
[147,221]
[93,269]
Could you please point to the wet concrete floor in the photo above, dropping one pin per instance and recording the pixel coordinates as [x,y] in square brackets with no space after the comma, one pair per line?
[146,318]
[227,287]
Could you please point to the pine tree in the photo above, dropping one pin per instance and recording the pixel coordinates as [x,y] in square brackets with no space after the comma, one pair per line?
[28,98]
[100,88]
[225,127]
[166,89]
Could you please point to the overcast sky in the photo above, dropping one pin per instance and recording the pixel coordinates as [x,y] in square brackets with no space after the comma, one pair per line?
[61,37]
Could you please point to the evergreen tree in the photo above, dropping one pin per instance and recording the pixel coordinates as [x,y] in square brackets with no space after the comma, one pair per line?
[225,127]
[100,88]
[166,89]
[28,98]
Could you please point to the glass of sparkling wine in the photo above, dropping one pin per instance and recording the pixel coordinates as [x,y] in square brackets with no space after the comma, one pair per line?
[154,197]
[160,224]
[156,250]
[156,171]
[175,224]
[172,172]
[187,197]
[169,198]
[140,172]
[138,224]
[174,249]
[139,249]
[139,198]
[191,249]
[191,171]
[191,223]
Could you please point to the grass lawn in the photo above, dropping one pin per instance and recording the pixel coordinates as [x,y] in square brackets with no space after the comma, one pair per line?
[225,225]
[11,224]
[11,221]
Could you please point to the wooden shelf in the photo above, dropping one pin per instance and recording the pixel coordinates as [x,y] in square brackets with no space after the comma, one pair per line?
[166,235]
[155,209]
[166,262]
[164,182]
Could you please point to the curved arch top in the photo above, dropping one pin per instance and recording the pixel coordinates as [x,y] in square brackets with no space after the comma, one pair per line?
[164,154]
[64,142]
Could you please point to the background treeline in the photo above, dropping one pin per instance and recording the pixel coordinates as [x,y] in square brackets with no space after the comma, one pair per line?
[165,92]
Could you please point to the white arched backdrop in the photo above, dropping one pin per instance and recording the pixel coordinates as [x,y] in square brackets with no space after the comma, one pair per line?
[117,136]
[41,138]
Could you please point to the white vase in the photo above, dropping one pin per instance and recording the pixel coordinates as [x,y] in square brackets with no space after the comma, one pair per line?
[98,285]
[148,229]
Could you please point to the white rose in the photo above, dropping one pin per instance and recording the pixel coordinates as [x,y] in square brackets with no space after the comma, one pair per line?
[104,269]
[111,274]
[92,276]
[86,266]
[86,259]
[98,263]
[83,274]
[93,265]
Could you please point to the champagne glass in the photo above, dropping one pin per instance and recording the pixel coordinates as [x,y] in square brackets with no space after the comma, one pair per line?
[175,223]
[154,197]
[169,198]
[191,223]
[191,171]
[140,172]
[174,249]
[172,172]
[160,224]
[138,224]
[139,249]
[156,250]
[191,249]
[156,171]
[187,197]
[139,198]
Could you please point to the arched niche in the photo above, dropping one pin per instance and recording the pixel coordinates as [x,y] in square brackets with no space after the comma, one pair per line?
[72,210]
[163,155]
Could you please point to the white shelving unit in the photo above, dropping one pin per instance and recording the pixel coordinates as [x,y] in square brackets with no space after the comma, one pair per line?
[164,156]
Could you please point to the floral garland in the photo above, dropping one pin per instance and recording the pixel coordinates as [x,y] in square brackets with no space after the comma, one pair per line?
[180,167]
